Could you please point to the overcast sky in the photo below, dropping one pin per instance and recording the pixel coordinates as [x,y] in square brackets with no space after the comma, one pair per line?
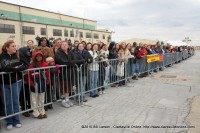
[149,19]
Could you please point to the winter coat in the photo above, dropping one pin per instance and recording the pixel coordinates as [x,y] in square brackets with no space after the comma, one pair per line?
[23,51]
[112,52]
[95,65]
[38,79]
[11,63]
[87,58]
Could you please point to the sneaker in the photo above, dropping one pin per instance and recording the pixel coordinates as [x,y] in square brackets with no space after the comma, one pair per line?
[74,88]
[100,93]
[18,125]
[103,92]
[70,103]
[65,104]
[9,127]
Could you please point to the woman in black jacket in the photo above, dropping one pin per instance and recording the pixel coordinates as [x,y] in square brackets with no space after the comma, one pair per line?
[113,57]
[68,74]
[11,82]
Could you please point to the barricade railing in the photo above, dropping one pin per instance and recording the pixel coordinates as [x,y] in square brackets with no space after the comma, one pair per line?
[75,82]
[40,87]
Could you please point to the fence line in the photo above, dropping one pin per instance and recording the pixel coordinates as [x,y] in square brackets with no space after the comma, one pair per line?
[74,82]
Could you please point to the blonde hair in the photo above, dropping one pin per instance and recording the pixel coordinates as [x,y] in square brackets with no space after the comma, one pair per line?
[48,59]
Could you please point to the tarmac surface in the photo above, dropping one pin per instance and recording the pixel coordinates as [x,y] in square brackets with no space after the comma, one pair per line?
[163,102]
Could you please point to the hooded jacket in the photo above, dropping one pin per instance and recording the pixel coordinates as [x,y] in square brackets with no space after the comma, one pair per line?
[13,65]
[38,79]
[23,51]
[112,53]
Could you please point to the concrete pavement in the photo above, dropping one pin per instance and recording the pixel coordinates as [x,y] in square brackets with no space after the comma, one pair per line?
[159,103]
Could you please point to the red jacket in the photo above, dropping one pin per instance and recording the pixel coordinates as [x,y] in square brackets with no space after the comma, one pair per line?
[33,74]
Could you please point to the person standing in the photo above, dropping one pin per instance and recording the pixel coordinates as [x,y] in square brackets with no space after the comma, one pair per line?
[11,82]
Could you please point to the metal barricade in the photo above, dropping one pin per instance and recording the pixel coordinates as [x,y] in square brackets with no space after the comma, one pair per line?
[38,88]
[167,58]
[143,65]
[61,83]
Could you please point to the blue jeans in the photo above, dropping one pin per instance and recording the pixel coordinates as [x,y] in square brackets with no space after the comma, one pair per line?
[10,99]
[82,85]
[135,68]
[93,82]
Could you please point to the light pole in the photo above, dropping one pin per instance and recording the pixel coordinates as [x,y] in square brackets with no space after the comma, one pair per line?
[187,39]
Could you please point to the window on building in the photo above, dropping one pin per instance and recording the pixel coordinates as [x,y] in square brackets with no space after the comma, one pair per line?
[6,28]
[43,31]
[88,35]
[28,30]
[96,36]
[66,33]
[72,33]
[104,36]
[81,34]
[57,32]
[109,38]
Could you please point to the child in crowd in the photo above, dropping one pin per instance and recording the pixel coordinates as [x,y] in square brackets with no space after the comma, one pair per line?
[38,81]
[54,72]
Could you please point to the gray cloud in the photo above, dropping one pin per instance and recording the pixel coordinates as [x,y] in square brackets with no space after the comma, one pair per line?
[153,19]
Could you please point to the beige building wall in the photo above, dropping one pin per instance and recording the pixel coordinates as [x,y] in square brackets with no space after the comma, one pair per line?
[21,39]
[5,36]
[9,7]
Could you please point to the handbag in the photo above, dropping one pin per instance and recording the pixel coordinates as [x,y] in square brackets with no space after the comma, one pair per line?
[120,69]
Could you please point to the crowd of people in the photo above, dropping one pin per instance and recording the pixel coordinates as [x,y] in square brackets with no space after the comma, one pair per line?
[50,72]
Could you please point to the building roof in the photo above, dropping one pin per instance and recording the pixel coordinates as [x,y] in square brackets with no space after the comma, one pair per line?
[46,11]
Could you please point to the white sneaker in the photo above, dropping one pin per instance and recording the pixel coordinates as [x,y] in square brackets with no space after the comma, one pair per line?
[70,103]
[74,88]
[103,92]
[9,127]
[18,125]
[65,104]
[100,92]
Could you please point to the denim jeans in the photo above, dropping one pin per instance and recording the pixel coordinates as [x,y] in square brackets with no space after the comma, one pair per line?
[93,82]
[82,87]
[10,99]
[135,68]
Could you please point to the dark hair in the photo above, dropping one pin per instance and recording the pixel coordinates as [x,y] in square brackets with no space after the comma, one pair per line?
[7,45]
[94,45]
[87,45]
[83,42]
[41,39]
[103,45]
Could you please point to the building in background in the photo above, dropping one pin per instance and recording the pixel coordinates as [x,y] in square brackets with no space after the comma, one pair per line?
[138,40]
[24,23]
